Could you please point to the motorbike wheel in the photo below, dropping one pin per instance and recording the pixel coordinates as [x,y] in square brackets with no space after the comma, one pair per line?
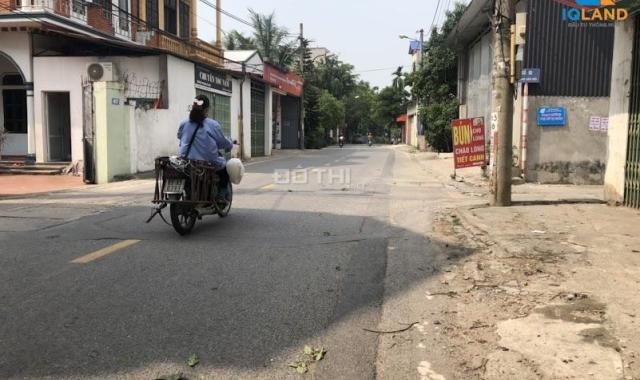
[183,218]
[224,209]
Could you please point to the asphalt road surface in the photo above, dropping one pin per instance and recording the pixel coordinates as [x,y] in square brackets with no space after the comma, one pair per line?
[89,291]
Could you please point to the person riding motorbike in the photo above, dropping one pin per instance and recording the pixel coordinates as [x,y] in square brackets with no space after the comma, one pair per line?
[341,141]
[370,138]
[201,138]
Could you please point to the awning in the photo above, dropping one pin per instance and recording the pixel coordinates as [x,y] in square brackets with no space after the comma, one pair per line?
[402,119]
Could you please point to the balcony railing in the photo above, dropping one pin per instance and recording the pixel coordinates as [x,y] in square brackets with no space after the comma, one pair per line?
[120,23]
[205,52]
[74,9]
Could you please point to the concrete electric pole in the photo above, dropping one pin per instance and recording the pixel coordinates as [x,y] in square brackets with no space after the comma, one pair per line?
[302,51]
[218,24]
[502,104]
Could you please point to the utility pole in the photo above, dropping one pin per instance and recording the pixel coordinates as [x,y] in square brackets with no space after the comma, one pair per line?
[421,47]
[241,115]
[302,95]
[502,104]
[219,24]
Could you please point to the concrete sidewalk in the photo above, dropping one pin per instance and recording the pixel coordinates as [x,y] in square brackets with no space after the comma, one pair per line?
[20,185]
[553,285]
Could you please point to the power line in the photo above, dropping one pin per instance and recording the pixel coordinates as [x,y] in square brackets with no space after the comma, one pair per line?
[434,16]
[372,70]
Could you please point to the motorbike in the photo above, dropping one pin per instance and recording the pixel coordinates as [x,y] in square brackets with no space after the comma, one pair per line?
[370,143]
[341,143]
[190,189]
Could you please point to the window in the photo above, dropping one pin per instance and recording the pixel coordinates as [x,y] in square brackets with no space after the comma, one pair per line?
[79,7]
[170,16]
[184,20]
[152,14]
[123,15]
[222,112]
[12,80]
[15,110]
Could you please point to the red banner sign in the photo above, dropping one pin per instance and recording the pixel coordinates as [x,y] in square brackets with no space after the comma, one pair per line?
[287,82]
[468,142]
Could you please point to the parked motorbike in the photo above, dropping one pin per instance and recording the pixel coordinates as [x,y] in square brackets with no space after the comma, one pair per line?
[190,189]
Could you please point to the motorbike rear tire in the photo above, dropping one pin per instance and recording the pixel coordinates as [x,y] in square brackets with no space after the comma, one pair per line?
[183,218]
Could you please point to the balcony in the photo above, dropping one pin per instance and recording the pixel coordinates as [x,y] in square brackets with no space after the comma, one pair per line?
[122,25]
[73,9]
[207,53]
[197,50]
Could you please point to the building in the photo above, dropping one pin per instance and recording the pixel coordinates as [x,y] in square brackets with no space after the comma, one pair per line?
[319,54]
[103,84]
[559,137]
[622,179]
[270,99]
[414,131]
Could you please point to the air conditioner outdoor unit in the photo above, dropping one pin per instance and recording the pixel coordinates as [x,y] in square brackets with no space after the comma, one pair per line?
[102,72]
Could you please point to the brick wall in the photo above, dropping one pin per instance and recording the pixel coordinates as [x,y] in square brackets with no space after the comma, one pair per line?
[99,18]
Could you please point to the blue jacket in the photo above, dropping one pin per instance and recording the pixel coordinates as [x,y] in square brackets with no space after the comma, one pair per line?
[208,141]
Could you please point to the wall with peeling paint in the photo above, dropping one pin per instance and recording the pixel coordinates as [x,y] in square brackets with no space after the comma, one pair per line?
[571,154]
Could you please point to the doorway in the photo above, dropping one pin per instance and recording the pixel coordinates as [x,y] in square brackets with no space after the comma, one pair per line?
[58,126]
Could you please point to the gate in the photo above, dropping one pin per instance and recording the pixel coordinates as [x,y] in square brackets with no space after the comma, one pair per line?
[88,133]
[632,167]
[257,120]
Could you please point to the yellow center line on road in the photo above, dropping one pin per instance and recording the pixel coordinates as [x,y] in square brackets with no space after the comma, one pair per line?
[104,252]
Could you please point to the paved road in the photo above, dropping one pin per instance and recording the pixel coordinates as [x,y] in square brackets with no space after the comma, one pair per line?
[293,265]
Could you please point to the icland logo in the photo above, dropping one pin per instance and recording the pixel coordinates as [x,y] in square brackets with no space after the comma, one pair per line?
[592,10]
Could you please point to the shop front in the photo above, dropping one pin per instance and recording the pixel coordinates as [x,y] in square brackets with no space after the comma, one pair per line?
[287,93]
[216,85]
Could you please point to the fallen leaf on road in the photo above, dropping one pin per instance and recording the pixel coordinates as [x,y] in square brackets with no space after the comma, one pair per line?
[177,376]
[300,366]
[193,360]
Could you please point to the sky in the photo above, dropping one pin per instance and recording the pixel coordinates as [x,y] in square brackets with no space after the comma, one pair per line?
[363,33]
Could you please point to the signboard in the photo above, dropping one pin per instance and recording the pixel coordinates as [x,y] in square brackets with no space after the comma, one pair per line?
[213,79]
[468,143]
[598,124]
[287,82]
[530,76]
[552,117]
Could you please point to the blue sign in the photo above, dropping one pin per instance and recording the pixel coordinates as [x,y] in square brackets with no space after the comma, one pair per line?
[530,76]
[552,117]
[415,47]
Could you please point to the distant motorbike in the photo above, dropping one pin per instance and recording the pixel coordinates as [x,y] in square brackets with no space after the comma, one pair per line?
[341,142]
[370,143]
[190,189]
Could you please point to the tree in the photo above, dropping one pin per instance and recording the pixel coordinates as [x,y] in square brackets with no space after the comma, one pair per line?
[435,84]
[398,79]
[235,40]
[269,39]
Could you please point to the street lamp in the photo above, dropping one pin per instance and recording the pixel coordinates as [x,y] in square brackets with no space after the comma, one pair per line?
[421,40]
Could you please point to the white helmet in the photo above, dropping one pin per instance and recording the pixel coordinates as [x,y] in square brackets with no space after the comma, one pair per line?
[235,168]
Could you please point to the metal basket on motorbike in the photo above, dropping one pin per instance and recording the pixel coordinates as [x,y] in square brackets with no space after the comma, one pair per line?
[184,181]
[190,188]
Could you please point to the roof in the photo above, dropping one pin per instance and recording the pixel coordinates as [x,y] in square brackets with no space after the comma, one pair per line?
[401,119]
[239,55]
[473,23]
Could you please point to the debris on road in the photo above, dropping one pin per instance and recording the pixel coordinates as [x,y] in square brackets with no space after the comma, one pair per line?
[193,360]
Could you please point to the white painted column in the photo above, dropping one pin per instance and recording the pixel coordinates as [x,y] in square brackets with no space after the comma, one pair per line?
[268,119]
[31,127]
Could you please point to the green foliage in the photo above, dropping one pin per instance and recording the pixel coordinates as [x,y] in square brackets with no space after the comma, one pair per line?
[435,84]
[269,39]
